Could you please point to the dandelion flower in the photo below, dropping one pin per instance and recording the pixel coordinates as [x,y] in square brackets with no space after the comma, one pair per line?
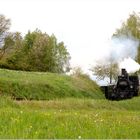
[36,132]
[79,137]
[96,115]
[75,113]
[30,126]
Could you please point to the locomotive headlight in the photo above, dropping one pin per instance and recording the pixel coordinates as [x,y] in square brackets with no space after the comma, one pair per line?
[131,86]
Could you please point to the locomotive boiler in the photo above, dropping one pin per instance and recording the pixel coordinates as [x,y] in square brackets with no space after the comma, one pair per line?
[127,86]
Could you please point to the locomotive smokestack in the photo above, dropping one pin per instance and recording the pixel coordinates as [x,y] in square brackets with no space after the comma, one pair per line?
[124,73]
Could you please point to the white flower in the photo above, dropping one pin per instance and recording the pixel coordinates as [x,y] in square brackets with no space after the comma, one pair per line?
[75,113]
[30,126]
[79,137]
[96,115]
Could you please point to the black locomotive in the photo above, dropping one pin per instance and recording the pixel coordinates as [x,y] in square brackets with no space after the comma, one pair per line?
[125,88]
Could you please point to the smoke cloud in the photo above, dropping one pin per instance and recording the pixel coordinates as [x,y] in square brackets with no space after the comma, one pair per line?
[129,64]
[123,50]
[123,47]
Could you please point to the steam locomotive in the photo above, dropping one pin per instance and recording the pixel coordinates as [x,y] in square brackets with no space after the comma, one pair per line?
[125,88]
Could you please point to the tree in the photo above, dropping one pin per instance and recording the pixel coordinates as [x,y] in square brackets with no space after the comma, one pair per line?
[131,27]
[106,69]
[45,54]
[77,71]
[14,56]
[12,41]
[4,27]
[39,52]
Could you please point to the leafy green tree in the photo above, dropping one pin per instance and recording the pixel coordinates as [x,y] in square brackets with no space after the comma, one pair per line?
[39,52]
[15,56]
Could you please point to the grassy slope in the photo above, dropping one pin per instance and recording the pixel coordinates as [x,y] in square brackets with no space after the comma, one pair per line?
[35,85]
[63,118]
[70,118]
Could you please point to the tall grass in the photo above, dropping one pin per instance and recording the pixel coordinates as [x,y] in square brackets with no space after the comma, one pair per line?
[69,118]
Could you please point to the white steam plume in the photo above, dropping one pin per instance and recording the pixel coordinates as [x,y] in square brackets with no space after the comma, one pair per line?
[123,47]
[129,64]
[123,50]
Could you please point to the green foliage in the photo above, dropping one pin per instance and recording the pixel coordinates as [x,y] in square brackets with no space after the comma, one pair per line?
[37,51]
[41,86]
[13,44]
[130,26]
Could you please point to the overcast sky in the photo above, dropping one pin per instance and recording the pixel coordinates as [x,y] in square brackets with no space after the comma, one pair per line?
[85,26]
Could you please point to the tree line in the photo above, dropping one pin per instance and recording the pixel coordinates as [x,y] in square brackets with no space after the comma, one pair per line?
[36,51]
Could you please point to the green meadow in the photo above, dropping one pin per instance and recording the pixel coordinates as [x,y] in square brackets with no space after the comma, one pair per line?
[70,118]
[67,108]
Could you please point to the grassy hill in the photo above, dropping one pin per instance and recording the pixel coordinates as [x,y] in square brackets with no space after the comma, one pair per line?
[77,109]
[36,85]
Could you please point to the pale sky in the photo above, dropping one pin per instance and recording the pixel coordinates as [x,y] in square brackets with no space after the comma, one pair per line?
[85,26]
